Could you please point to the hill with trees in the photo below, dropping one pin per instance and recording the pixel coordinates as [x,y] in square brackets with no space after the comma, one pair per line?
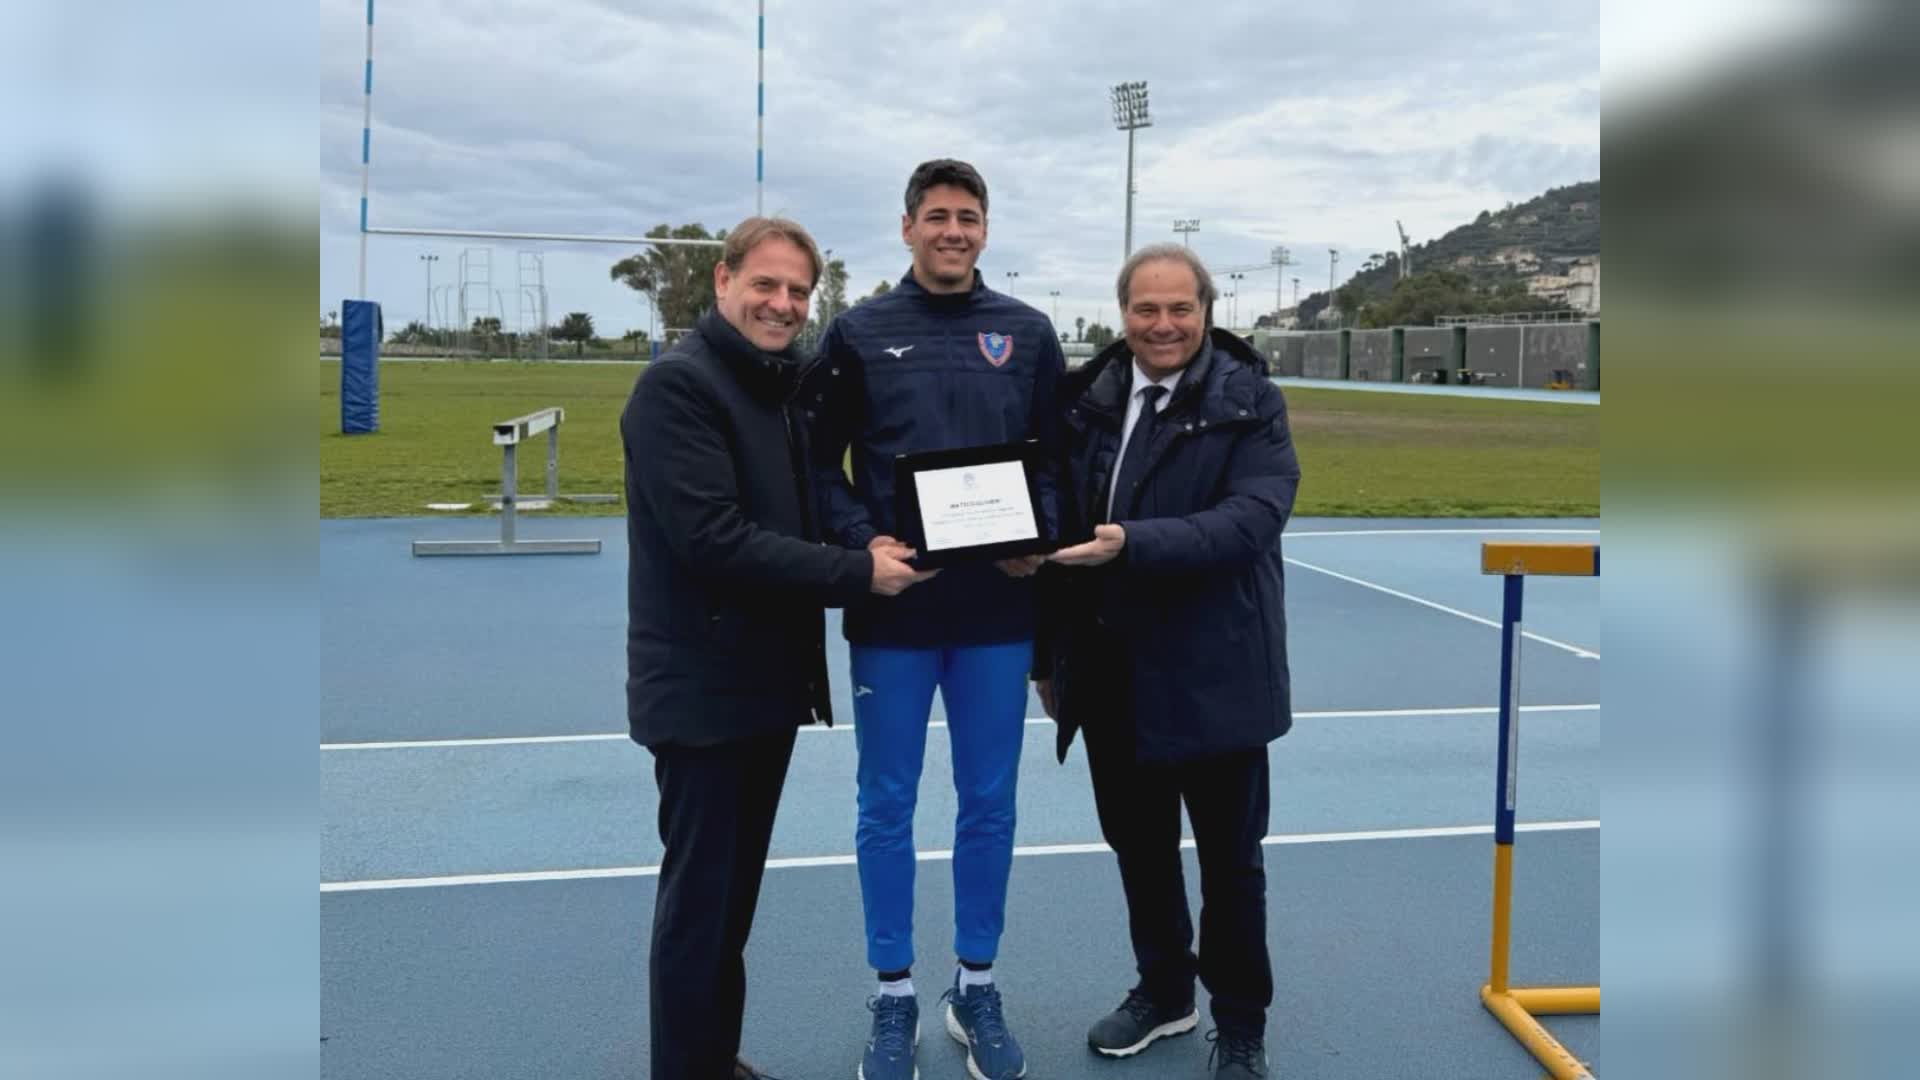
[1481,267]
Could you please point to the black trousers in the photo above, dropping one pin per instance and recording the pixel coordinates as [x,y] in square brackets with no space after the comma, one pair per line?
[1227,801]
[716,820]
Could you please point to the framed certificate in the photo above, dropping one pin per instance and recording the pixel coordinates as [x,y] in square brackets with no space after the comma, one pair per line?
[971,505]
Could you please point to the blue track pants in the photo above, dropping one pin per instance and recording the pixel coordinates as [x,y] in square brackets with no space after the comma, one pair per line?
[984,688]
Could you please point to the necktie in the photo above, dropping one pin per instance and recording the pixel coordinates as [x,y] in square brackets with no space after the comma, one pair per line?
[1134,463]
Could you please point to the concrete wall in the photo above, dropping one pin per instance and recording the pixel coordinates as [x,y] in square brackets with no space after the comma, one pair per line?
[1322,357]
[1551,348]
[1290,355]
[1429,348]
[1285,350]
[1495,350]
[1372,356]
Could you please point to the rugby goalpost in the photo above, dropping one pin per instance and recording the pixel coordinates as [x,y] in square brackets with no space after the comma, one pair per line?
[362,384]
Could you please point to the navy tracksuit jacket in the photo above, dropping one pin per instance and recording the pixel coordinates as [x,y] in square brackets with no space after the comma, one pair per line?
[909,371]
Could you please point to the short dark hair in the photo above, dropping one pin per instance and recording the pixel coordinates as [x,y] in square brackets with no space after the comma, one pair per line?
[931,174]
[749,233]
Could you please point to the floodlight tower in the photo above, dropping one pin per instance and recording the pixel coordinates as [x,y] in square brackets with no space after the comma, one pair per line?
[1186,227]
[1280,257]
[1129,114]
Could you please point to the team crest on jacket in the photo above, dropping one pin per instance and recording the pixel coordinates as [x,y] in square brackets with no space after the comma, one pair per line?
[996,347]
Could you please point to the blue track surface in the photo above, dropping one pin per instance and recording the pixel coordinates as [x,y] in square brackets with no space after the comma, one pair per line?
[1379,943]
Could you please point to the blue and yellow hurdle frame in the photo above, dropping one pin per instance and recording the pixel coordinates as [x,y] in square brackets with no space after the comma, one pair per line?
[1515,1007]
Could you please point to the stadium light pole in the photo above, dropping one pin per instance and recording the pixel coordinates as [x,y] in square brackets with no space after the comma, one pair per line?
[1233,318]
[1281,257]
[1011,274]
[1129,114]
[1186,227]
[1055,293]
[429,260]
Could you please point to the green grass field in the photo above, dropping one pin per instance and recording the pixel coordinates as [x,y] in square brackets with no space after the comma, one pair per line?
[1361,454]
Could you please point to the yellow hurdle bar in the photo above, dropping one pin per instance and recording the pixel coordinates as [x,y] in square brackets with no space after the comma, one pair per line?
[1554,560]
[1557,1000]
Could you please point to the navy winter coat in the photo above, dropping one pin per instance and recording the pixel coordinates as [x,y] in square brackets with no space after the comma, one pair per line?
[1196,599]
[726,576]
[912,370]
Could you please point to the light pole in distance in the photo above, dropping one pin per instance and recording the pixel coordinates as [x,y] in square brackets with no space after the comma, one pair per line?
[1129,114]
[429,260]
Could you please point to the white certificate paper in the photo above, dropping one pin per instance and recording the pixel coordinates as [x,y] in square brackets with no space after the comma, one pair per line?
[972,505]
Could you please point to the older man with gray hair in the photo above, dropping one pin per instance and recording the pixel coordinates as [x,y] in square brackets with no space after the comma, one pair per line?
[1164,639]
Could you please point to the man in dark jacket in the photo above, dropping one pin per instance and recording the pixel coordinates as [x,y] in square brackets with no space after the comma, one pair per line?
[1167,643]
[938,363]
[726,582]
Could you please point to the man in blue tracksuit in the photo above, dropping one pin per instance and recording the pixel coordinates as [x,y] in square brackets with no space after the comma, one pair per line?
[939,362]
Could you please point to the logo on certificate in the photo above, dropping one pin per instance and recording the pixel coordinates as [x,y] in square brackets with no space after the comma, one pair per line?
[996,347]
[969,481]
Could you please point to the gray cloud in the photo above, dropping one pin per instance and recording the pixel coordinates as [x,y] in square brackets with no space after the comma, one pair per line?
[1309,128]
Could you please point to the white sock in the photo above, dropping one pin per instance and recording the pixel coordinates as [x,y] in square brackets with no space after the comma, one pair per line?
[970,977]
[897,988]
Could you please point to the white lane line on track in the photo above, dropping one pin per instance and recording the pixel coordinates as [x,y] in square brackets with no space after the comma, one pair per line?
[451,881]
[1584,654]
[1445,532]
[541,740]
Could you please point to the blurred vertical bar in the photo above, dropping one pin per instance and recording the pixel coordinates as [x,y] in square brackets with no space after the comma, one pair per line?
[1760,868]
[159,650]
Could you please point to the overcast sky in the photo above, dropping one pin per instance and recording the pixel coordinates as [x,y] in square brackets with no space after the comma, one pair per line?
[1308,126]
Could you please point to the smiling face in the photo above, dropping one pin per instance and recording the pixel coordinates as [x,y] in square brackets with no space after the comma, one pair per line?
[947,236]
[766,299]
[1164,320]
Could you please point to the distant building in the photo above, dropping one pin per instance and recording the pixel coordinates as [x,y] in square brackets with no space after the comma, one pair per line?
[1583,284]
[1549,286]
[1578,287]
[1518,258]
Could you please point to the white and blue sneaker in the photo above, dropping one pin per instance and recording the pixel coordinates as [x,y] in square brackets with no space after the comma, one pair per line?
[974,1019]
[895,1036]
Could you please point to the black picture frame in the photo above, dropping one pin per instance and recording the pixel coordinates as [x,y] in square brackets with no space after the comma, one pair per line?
[912,530]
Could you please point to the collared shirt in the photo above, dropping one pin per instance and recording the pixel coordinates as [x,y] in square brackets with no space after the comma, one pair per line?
[1135,401]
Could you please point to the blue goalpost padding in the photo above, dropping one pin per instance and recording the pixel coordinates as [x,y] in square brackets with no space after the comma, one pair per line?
[360,331]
